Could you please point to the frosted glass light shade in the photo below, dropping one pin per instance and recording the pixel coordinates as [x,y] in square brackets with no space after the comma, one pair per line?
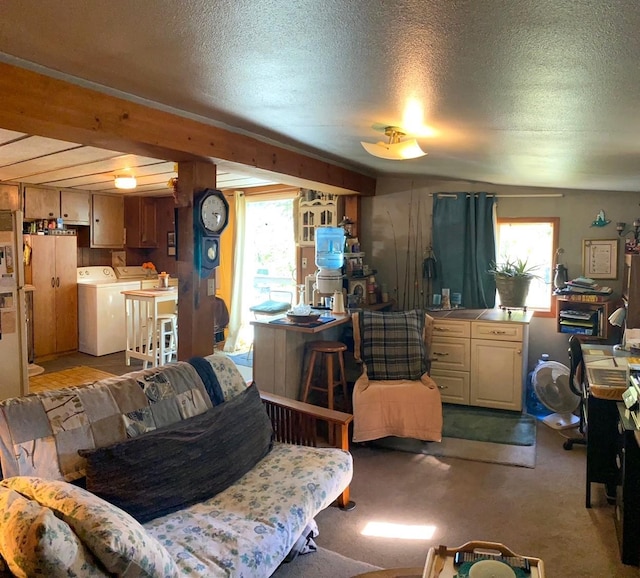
[406,149]
[126,183]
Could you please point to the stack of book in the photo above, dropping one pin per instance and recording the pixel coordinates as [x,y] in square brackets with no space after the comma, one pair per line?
[579,322]
[582,287]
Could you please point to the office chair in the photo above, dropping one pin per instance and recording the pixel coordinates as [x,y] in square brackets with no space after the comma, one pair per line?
[577,383]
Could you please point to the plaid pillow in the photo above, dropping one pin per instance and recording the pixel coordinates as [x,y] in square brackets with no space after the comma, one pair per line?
[393,344]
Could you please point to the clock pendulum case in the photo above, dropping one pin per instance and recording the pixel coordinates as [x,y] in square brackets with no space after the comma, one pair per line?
[210,218]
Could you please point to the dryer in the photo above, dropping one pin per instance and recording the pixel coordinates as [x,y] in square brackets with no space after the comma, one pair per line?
[101,313]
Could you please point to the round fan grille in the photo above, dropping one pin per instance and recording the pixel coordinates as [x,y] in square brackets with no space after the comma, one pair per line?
[551,383]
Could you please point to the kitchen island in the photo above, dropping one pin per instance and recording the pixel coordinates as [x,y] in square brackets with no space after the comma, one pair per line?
[279,351]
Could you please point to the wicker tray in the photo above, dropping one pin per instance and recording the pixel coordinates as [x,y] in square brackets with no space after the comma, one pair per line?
[491,548]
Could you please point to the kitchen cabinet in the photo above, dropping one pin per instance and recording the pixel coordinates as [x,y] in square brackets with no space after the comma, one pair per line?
[107,224]
[320,211]
[141,222]
[55,299]
[74,207]
[479,357]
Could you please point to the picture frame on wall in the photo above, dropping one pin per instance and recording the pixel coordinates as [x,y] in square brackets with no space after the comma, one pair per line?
[171,244]
[600,258]
[358,288]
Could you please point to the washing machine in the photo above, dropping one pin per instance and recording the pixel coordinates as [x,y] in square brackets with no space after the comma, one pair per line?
[101,314]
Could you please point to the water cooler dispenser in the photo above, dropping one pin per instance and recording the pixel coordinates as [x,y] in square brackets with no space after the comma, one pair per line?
[329,260]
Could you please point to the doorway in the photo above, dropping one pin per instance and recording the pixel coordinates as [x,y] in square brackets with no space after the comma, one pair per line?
[269,258]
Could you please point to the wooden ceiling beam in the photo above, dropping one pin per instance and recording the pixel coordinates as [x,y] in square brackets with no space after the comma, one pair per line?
[38,104]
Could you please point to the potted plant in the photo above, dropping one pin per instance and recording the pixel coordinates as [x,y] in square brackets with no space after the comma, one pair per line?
[513,277]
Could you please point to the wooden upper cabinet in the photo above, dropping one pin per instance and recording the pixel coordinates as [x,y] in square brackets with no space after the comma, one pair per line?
[9,197]
[141,222]
[107,225]
[75,207]
[41,203]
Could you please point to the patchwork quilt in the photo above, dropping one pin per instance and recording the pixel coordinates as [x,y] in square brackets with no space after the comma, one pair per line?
[41,433]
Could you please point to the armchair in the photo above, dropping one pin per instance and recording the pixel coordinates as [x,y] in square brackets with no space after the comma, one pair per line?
[394,396]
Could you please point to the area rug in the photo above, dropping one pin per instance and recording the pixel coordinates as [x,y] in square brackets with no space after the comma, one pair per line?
[508,455]
[479,434]
[322,564]
[245,358]
[488,425]
[66,378]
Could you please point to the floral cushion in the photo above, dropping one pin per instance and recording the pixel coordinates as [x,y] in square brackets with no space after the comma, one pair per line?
[229,377]
[120,543]
[33,541]
[248,529]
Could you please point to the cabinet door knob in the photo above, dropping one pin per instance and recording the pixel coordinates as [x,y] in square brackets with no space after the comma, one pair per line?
[57,281]
[65,215]
[53,281]
[97,220]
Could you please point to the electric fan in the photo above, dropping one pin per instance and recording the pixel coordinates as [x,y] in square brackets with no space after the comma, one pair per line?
[551,384]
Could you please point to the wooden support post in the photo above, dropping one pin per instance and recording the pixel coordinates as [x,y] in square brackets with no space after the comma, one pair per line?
[195,308]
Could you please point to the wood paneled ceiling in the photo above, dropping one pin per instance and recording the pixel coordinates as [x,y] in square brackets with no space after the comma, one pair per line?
[36,160]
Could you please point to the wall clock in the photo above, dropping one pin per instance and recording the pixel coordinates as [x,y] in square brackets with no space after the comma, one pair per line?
[210,218]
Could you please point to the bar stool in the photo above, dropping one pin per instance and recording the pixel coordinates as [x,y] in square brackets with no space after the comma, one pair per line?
[326,349]
[167,338]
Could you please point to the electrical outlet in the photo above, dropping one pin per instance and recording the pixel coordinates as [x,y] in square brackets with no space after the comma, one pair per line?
[211,287]
[304,262]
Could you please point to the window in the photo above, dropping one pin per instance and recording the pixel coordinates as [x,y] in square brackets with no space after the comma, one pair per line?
[534,239]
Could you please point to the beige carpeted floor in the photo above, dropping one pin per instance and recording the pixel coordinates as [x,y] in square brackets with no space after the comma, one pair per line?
[66,378]
[536,512]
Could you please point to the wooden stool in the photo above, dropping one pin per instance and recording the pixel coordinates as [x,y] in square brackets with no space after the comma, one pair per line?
[167,337]
[327,349]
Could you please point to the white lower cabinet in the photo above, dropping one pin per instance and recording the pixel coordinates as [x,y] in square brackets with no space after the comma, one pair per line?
[480,363]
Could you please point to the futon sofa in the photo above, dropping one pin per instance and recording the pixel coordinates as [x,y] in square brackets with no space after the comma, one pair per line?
[182,470]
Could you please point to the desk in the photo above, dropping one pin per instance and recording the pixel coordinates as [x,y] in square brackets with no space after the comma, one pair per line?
[601,416]
[141,319]
[278,352]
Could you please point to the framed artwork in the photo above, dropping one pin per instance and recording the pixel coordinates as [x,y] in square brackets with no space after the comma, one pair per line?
[600,258]
[358,288]
[171,243]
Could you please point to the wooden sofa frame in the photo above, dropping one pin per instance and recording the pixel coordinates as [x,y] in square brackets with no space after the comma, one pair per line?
[296,422]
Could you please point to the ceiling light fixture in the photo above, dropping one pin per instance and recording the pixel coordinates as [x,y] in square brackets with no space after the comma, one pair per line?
[125,182]
[395,149]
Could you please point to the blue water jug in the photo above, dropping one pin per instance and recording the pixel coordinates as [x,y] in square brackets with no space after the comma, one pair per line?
[329,247]
[534,406]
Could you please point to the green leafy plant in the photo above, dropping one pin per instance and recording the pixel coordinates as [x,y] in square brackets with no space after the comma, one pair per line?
[513,268]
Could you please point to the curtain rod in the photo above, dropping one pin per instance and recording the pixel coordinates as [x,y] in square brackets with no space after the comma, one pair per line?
[523,196]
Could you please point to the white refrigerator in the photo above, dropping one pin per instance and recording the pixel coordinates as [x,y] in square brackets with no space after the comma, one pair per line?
[14,379]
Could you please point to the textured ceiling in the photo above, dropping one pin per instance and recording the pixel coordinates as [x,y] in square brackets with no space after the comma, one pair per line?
[518,92]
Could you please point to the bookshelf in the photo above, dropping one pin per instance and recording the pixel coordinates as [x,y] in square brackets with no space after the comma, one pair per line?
[586,316]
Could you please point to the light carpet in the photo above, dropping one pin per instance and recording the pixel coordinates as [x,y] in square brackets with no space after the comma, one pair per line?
[322,564]
[66,378]
[510,455]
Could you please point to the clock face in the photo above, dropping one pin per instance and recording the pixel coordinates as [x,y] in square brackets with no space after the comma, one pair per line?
[214,213]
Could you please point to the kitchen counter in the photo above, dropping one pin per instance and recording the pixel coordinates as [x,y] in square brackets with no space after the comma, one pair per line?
[496,314]
[279,352]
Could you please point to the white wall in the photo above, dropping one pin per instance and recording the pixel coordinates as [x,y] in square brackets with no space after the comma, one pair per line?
[396,227]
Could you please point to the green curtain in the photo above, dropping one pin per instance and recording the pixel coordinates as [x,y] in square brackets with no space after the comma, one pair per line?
[464,246]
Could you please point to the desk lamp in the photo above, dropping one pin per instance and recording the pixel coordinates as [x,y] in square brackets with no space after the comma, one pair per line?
[618,318]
